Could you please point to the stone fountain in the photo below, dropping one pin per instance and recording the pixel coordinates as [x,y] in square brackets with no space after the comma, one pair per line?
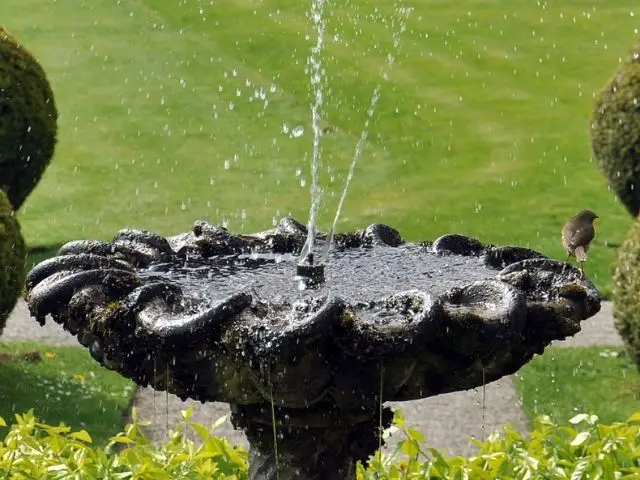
[219,317]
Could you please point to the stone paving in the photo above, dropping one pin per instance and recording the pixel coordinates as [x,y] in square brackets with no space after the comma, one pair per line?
[447,421]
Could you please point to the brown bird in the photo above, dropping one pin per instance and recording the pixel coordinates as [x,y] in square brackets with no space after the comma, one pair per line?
[577,235]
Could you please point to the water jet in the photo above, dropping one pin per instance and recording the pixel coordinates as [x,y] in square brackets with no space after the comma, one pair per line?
[310,272]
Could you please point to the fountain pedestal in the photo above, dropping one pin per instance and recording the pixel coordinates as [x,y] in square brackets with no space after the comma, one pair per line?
[310,447]
[216,317]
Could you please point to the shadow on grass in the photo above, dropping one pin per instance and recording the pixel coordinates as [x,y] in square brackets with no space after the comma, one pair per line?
[39,253]
[62,384]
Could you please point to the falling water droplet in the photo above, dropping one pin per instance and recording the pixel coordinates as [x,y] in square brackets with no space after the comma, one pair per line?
[297,131]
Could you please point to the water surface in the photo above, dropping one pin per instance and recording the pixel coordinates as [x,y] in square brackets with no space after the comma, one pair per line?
[361,274]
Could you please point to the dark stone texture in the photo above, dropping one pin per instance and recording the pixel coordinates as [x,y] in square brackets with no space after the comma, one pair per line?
[216,317]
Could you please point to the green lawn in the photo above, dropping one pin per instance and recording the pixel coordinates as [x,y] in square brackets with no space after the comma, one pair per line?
[64,385]
[565,381]
[482,126]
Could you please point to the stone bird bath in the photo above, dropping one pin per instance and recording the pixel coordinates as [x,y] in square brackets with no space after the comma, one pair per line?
[213,316]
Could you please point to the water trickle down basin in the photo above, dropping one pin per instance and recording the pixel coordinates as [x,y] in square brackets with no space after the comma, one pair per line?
[219,317]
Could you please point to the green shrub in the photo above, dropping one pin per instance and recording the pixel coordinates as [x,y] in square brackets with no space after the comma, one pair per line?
[582,450]
[615,132]
[12,260]
[28,120]
[626,293]
[36,450]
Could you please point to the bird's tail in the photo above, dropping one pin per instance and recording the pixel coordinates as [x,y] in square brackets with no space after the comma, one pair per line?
[581,254]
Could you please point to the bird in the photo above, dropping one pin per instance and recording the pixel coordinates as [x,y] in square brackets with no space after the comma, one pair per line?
[577,235]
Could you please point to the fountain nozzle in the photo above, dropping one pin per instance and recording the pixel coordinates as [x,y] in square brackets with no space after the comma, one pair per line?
[310,273]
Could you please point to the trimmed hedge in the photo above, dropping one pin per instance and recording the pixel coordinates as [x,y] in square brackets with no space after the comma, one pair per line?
[615,132]
[12,260]
[28,120]
[626,293]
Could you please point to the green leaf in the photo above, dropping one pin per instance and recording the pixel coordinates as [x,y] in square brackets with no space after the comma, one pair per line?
[398,418]
[635,418]
[410,447]
[579,471]
[581,417]
[201,430]
[186,414]
[414,434]
[81,435]
[121,439]
[219,422]
[440,462]
[57,468]
[580,439]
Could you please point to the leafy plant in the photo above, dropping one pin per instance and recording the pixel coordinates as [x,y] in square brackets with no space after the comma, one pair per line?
[36,450]
[584,449]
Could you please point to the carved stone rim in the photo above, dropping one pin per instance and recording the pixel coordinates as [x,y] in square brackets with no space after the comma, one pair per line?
[92,288]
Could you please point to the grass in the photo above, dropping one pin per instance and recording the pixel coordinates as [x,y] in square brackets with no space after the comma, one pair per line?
[482,126]
[40,253]
[565,381]
[64,385]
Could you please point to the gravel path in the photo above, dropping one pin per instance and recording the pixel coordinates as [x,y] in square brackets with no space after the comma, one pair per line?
[597,330]
[21,326]
[446,420]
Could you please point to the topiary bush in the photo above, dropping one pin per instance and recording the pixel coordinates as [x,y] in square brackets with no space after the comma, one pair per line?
[28,120]
[12,260]
[615,132]
[626,293]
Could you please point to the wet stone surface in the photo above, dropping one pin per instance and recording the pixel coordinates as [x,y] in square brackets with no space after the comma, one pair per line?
[218,317]
[212,316]
[355,275]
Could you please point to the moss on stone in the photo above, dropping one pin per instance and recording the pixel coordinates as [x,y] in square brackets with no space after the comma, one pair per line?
[615,132]
[626,293]
[12,260]
[104,320]
[572,290]
[28,120]
[347,319]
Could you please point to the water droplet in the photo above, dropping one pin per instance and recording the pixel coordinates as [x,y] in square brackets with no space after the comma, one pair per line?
[297,131]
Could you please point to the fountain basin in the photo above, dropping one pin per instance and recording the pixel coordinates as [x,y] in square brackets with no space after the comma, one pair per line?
[219,317]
